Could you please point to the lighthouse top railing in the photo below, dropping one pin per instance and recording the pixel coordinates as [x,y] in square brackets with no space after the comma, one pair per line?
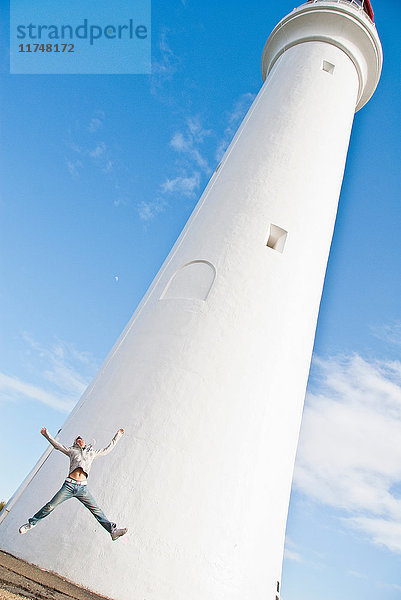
[362,5]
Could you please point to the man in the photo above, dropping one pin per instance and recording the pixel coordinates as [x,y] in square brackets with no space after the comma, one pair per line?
[75,486]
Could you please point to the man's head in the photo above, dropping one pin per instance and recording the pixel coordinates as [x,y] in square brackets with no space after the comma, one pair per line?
[80,442]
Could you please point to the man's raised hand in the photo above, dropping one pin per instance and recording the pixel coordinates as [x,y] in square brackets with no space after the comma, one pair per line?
[43,431]
[120,431]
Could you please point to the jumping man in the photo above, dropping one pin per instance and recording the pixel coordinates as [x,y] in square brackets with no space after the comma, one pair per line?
[75,486]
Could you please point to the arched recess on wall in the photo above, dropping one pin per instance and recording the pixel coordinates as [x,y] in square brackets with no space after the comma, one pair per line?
[192,281]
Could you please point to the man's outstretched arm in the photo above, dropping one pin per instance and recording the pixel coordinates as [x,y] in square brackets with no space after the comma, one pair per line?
[54,442]
[110,447]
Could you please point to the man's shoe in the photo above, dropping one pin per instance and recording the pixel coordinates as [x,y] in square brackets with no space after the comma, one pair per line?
[116,533]
[24,528]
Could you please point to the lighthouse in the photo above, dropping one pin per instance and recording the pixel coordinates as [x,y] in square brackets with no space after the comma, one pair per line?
[208,378]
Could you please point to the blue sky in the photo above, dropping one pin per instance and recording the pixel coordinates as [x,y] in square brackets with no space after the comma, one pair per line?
[99,173]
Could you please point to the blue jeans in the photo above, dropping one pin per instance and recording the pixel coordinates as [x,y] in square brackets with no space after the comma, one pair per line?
[81,493]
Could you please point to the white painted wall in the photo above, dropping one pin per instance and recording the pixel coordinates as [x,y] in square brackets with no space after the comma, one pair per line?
[209,377]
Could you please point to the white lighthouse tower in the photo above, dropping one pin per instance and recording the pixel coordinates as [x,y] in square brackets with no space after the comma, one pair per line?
[208,378]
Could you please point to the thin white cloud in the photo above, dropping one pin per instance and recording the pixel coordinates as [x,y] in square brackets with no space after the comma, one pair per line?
[14,388]
[196,129]
[191,164]
[73,167]
[389,333]
[183,185]
[164,64]
[234,118]
[357,574]
[108,167]
[61,375]
[188,143]
[292,555]
[98,151]
[85,151]
[179,143]
[349,454]
[97,155]
[149,210]
[291,551]
[75,147]
[120,201]
[94,125]
[383,532]
[96,121]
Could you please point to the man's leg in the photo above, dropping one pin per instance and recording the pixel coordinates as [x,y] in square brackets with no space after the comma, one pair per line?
[63,494]
[88,500]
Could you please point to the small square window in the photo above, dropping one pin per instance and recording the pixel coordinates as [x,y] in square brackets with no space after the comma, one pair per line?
[328,67]
[277,238]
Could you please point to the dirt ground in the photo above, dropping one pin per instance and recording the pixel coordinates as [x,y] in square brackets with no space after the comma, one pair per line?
[4,595]
[20,580]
